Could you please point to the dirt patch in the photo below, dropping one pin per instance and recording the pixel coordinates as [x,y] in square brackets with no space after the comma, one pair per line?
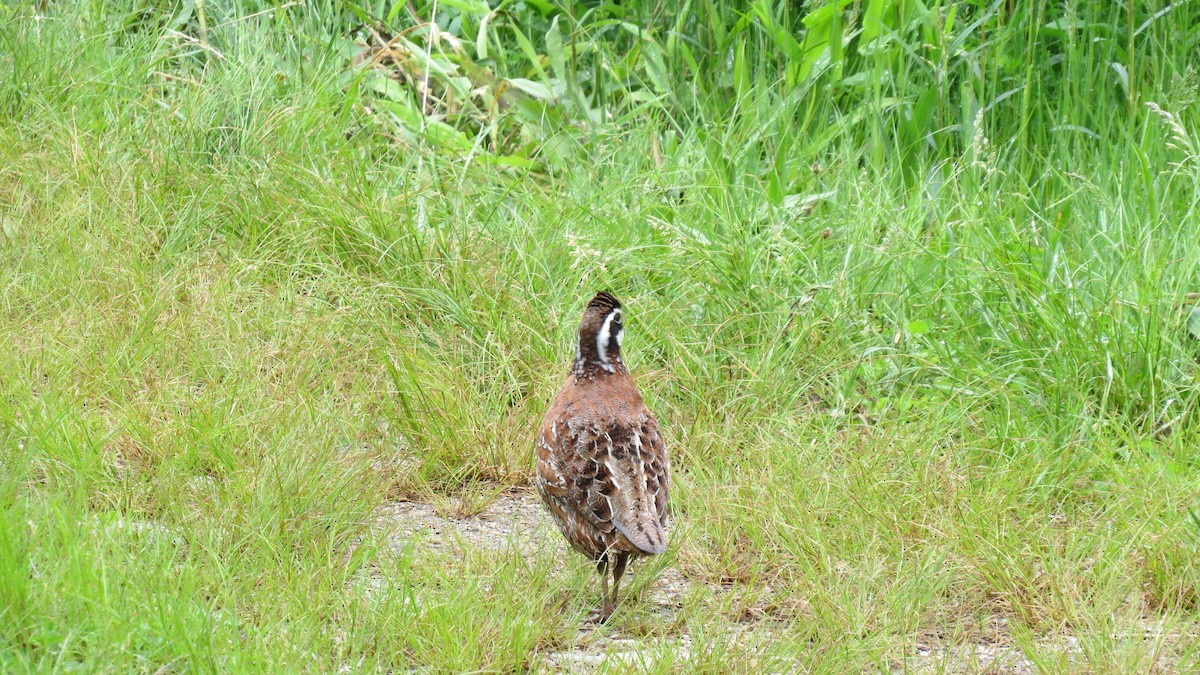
[513,517]
[980,658]
[517,519]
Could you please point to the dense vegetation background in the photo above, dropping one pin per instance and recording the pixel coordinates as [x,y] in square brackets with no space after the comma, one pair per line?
[909,286]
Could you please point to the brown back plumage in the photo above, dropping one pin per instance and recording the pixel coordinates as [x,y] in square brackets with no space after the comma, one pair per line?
[602,469]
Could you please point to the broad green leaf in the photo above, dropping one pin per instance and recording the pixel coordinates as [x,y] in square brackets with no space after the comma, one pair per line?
[545,92]
[362,14]
[468,7]
[803,201]
[874,20]
[643,96]
[783,38]
[741,69]
[673,35]
[820,45]
[691,62]
[717,24]
[918,327]
[543,7]
[396,9]
[554,48]
[860,79]
[836,28]
[345,47]
[510,160]
[185,14]
[530,53]
[1193,324]
[481,38]
[389,89]
[654,65]
[1122,75]
[436,132]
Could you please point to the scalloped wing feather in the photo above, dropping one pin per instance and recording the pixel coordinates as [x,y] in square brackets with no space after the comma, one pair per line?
[615,477]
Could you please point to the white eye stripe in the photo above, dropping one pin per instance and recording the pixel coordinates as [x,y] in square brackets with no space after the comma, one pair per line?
[602,337]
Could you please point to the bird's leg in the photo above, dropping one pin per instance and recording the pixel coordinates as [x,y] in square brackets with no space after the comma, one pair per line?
[607,611]
[618,569]
[601,614]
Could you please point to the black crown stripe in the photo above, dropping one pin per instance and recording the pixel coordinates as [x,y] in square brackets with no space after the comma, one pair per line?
[604,300]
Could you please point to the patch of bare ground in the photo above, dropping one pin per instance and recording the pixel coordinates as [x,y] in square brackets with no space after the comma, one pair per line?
[984,657]
[998,653]
[516,519]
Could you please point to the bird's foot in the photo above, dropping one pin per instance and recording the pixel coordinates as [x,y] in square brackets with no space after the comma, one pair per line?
[600,615]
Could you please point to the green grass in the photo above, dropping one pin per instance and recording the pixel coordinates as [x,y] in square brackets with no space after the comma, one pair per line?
[912,391]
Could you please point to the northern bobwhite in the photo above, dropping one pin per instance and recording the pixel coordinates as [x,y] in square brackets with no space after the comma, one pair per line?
[602,470]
